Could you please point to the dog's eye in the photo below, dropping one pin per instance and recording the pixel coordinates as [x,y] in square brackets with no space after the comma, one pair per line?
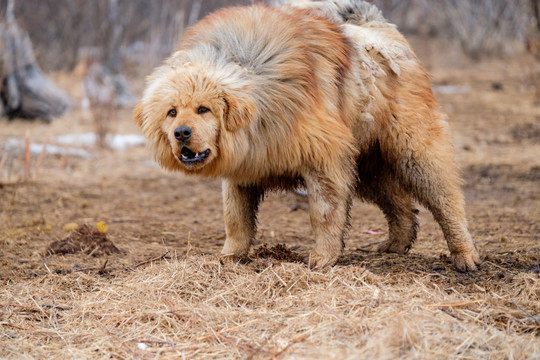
[172,113]
[202,110]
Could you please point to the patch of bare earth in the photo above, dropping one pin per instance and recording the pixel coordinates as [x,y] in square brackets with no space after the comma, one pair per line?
[167,294]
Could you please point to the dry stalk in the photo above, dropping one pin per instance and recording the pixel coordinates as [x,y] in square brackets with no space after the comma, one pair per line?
[40,158]
[27,172]
[3,160]
[454,305]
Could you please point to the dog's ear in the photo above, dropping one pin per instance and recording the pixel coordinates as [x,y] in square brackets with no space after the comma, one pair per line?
[239,111]
[138,114]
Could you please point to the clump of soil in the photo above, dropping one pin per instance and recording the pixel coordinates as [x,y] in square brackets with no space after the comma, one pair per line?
[278,252]
[83,239]
[528,131]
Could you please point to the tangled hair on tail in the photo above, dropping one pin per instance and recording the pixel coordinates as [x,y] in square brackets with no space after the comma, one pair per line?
[355,12]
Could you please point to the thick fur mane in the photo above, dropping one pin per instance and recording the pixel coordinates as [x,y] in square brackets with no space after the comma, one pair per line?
[271,66]
[278,77]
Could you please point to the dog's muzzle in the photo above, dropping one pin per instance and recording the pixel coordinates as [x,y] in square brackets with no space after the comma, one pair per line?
[189,157]
[183,135]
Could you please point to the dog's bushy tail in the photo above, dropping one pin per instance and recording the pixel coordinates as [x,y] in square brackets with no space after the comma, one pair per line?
[356,12]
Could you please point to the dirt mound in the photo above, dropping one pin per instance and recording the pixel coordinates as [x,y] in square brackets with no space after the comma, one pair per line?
[83,239]
[278,252]
[527,131]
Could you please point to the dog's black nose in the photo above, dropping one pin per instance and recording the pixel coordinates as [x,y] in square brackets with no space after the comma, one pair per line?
[182,133]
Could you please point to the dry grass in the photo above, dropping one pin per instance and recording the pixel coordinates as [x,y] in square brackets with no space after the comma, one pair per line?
[195,306]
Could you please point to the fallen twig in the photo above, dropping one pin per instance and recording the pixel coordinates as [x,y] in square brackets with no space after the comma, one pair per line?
[102,268]
[150,260]
[497,266]
[534,318]
[15,326]
[450,314]
[23,307]
[462,304]
[57,307]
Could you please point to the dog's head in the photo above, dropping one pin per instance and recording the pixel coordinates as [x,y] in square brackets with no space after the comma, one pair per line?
[195,118]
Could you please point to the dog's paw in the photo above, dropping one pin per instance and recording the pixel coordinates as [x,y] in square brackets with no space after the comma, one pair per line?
[466,261]
[226,259]
[392,246]
[235,248]
[321,262]
[234,259]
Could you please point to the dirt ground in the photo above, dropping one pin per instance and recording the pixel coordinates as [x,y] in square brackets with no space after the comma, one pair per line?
[369,305]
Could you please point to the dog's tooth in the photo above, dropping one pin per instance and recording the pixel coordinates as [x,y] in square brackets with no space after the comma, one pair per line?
[184,156]
[196,155]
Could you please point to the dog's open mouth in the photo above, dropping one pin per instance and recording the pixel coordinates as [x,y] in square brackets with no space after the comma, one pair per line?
[190,158]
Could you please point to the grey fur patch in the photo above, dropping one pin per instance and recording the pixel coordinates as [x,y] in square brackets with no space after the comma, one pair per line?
[356,12]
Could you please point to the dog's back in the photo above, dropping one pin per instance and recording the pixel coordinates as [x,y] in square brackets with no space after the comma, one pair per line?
[355,12]
[279,55]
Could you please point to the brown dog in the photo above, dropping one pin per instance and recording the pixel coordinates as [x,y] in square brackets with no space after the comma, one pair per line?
[322,94]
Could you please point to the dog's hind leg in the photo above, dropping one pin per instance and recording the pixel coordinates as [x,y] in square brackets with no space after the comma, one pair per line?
[398,209]
[378,184]
[240,205]
[428,171]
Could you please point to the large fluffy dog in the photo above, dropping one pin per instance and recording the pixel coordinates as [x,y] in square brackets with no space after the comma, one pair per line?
[321,94]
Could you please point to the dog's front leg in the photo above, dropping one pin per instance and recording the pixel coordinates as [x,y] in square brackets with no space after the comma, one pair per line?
[240,204]
[329,205]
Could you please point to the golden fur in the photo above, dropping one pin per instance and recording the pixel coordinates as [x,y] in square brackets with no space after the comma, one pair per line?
[294,96]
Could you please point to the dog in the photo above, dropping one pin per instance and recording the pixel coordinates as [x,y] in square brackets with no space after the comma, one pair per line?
[322,95]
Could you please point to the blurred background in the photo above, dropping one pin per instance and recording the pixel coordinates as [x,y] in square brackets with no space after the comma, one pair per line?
[108,42]
[127,34]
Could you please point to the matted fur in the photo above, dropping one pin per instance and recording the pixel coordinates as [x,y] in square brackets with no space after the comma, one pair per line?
[323,94]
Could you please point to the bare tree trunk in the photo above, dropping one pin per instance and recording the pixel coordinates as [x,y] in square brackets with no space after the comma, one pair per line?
[9,11]
[536,12]
[195,11]
[25,92]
